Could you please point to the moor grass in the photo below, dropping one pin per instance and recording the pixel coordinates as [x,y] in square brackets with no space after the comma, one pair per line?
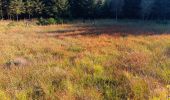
[105,60]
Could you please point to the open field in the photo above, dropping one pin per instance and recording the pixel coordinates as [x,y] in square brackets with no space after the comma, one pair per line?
[108,60]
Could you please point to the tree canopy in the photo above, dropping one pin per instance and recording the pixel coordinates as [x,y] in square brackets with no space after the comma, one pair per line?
[133,9]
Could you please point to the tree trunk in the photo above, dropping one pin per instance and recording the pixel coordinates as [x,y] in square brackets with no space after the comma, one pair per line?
[17,18]
[2,14]
[2,17]
[29,16]
[116,14]
[9,17]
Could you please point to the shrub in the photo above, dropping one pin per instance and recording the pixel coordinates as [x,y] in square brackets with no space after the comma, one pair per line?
[42,21]
[49,21]
[59,20]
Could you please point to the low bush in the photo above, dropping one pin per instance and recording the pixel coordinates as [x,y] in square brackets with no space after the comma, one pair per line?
[49,21]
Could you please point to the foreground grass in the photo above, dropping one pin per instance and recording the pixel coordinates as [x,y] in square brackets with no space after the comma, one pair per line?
[116,61]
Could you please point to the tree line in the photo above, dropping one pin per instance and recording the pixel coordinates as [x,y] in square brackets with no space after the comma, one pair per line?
[86,9]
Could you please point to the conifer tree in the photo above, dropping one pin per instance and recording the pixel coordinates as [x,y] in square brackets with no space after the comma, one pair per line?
[16,8]
[56,8]
[29,7]
[1,9]
[38,7]
[131,9]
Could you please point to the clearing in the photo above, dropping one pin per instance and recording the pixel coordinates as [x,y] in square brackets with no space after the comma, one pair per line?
[109,60]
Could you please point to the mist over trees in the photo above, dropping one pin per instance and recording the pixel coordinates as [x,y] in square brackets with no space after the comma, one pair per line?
[86,9]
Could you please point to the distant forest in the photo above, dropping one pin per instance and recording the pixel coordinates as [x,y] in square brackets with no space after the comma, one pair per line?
[85,9]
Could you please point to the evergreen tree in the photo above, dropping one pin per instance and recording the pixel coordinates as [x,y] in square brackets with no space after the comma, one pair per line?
[1,9]
[146,8]
[167,9]
[76,8]
[29,7]
[56,8]
[161,9]
[83,8]
[107,9]
[39,7]
[16,8]
[99,10]
[116,7]
[131,9]
[5,8]
[89,8]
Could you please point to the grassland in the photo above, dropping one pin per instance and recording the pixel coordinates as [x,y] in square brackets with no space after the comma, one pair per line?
[108,60]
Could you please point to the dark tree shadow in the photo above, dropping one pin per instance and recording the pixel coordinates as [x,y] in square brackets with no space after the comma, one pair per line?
[114,30]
